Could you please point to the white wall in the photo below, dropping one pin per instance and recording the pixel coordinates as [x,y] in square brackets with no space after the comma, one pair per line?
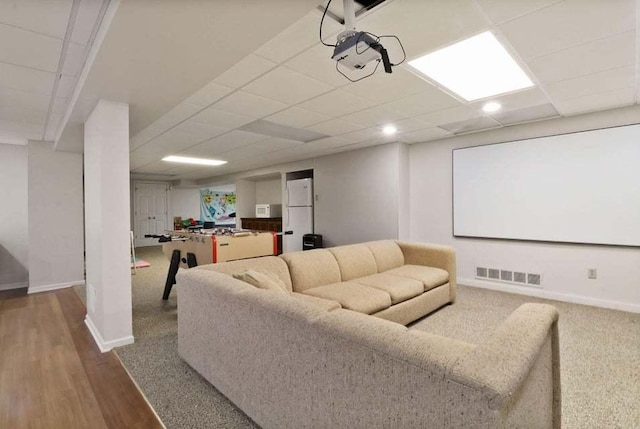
[269,191]
[563,267]
[184,202]
[107,226]
[14,242]
[56,233]
[245,200]
[358,195]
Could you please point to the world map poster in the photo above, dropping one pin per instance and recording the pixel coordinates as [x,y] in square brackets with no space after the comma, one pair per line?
[218,207]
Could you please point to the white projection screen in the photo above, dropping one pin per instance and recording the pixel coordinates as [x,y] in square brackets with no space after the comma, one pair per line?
[573,188]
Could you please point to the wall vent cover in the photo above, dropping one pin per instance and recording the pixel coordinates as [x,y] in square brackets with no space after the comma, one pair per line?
[533,279]
[481,272]
[494,273]
[519,277]
[506,275]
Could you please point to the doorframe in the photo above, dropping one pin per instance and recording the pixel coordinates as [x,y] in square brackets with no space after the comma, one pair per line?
[134,199]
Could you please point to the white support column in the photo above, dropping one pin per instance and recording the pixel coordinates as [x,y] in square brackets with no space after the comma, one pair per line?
[107,224]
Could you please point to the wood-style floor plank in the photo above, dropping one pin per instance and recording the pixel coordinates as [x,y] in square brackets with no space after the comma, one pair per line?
[52,373]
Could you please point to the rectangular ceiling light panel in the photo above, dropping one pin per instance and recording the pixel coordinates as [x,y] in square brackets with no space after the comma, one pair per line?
[474,68]
[197,161]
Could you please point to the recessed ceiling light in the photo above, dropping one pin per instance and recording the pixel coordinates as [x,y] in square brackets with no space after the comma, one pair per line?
[491,107]
[389,129]
[187,160]
[474,68]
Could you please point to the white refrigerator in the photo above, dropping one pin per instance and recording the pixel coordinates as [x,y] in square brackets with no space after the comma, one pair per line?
[299,213]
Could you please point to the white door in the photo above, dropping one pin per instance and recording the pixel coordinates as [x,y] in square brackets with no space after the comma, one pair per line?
[299,193]
[150,212]
[299,222]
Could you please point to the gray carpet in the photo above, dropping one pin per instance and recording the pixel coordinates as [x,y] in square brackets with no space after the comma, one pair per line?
[600,355]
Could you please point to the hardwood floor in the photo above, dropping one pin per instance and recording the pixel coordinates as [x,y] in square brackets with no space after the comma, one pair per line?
[52,375]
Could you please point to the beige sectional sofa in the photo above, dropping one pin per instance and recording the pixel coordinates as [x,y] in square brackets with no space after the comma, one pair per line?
[294,344]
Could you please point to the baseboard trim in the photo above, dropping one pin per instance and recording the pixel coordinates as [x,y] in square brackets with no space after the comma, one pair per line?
[106,346]
[557,296]
[55,286]
[17,285]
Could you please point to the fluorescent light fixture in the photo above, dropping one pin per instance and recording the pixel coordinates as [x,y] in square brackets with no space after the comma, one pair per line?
[474,68]
[187,160]
[491,107]
[389,130]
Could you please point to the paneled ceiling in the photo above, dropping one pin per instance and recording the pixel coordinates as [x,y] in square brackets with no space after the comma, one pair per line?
[43,47]
[197,86]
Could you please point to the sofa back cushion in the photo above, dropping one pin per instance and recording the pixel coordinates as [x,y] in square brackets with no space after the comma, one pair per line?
[387,254]
[355,261]
[312,268]
[269,265]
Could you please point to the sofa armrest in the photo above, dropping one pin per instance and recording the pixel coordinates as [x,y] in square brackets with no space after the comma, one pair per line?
[499,367]
[432,255]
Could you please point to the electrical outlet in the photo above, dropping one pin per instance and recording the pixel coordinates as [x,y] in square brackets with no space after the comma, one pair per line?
[592,273]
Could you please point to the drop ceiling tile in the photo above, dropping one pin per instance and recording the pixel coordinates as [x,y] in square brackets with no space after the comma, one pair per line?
[66,85]
[59,106]
[423,135]
[297,117]
[336,103]
[596,83]
[243,103]
[176,115]
[232,140]
[288,86]
[11,98]
[24,129]
[409,125]
[26,48]
[52,127]
[591,103]
[500,11]
[245,71]
[200,130]
[74,60]
[568,23]
[48,17]
[528,114]
[258,149]
[209,94]
[383,87]
[471,125]
[516,100]
[378,115]
[221,118]
[452,114]
[335,127]
[17,115]
[154,167]
[88,13]
[323,144]
[300,36]
[430,100]
[604,54]
[366,134]
[174,141]
[317,63]
[423,26]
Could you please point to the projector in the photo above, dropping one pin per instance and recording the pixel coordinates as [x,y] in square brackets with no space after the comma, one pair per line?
[356,49]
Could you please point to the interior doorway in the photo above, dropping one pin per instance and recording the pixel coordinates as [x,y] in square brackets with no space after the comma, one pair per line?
[150,212]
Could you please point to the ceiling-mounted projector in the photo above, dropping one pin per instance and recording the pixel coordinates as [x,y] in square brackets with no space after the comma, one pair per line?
[357,49]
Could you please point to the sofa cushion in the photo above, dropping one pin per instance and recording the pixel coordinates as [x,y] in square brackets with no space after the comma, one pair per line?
[431,277]
[399,288]
[355,261]
[387,254]
[311,269]
[261,281]
[314,300]
[270,265]
[353,296]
